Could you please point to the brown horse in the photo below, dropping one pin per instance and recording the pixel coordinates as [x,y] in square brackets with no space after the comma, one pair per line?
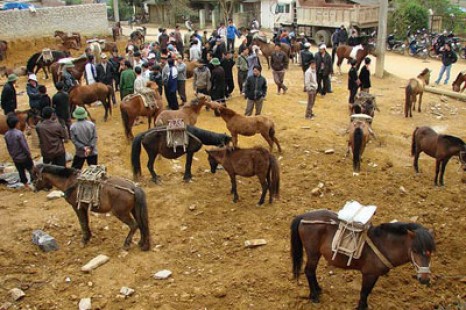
[123,198]
[344,52]
[267,48]
[77,72]
[67,45]
[415,87]
[248,163]
[358,137]
[190,66]
[391,245]
[27,120]
[247,126]
[296,47]
[188,113]
[460,79]
[64,36]
[133,106]
[81,95]
[440,147]
[3,49]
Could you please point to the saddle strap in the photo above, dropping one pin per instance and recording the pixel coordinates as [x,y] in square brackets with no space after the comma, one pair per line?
[379,254]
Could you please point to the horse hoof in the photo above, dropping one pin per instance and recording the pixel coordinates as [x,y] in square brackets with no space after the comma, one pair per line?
[156,181]
[355,174]
[315,300]
[187,180]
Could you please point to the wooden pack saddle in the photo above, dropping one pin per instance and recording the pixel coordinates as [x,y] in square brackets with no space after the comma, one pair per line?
[89,185]
[349,239]
[177,136]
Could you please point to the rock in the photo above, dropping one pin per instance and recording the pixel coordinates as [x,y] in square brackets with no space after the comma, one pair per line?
[95,262]
[403,190]
[55,195]
[463,279]
[85,304]
[162,275]
[220,292]
[321,185]
[315,191]
[90,284]
[306,127]
[126,291]
[192,207]
[6,305]
[67,279]
[329,151]
[254,243]
[16,294]
[45,242]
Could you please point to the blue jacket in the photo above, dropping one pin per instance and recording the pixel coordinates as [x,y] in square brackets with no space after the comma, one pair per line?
[232,31]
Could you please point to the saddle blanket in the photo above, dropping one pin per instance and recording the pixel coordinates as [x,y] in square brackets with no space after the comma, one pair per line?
[354,212]
[148,98]
[47,54]
[89,184]
[361,118]
[354,51]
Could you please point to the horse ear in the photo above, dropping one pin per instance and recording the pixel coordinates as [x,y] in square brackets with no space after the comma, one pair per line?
[411,234]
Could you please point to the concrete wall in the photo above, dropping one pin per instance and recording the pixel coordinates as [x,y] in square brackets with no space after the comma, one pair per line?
[88,19]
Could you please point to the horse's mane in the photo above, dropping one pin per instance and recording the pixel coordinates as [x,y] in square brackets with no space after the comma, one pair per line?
[424,72]
[57,170]
[453,139]
[227,111]
[423,239]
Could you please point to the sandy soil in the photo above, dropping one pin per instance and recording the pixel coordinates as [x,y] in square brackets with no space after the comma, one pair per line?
[198,233]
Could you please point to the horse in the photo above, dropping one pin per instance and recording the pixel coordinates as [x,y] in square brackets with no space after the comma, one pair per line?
[415,87]
[188,113]
[296,47]
[248,163]
[190,66]
[123,198]
[37,62]
[133,106]
[138,36]
[27,120]
[247,126]
[440,147]
[344,51]
[77,71]
[155,142]
[268,48]
[64,36]
[3,49]
[460,79]
[389,245]
[67,45]
[358,137]
[80,95]
[366,103]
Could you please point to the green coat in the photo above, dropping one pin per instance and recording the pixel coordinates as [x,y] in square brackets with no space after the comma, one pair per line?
[127,79]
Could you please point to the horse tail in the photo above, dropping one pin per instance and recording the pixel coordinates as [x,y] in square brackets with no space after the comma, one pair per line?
[272,136]
[125,119]
[408,93]
[136,154]
[296,246]
[141,217]
[274,177]
[31,63]
[357,147]
[413,142]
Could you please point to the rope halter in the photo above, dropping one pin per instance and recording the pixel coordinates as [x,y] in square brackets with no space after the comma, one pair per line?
[419,269]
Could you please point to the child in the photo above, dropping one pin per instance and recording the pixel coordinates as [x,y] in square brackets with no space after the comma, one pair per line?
[310,84]
[18,149]
[365,76]
[156,76]
[353,84]
[44,99]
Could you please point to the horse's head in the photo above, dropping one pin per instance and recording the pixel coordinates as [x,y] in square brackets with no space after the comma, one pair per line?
[37,179]
[425,75]
[212,161]
[422,247]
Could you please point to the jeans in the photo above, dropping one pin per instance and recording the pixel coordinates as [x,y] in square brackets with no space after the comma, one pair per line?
[444,69]
[231,44]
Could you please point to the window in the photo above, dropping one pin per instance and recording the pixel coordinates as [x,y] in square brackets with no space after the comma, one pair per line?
[282,8]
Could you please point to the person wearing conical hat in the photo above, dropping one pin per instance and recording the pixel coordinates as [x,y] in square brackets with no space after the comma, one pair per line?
[84,137]
[8,98]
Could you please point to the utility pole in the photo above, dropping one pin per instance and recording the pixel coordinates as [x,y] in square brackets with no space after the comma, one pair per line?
[381,35]
[116,11]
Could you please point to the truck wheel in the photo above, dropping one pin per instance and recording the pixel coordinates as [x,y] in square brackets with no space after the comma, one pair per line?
[323,36]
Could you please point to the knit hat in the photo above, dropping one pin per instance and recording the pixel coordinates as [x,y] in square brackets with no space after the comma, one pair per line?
[12,77]
[32,77]
[307,45]
[322,47]
[80,113]
[215,62]
[103,56]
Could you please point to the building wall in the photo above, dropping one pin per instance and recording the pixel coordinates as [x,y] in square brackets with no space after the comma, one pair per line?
[267,18]
[88,19]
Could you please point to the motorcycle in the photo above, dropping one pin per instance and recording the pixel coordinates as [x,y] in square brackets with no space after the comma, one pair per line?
[417,49]
[395,45]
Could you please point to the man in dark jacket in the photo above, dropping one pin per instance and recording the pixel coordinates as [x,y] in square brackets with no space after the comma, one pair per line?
[32,89]
[115,61]
[306,58]
[217,79]
[163,39]
[255,91]
[365,76]
[179,41]
[227,64]
[279,63]
[219,49]
[51,135]
[335,43]
[105,74]
[342,35]
[8,98]
[449,57]
[353,84]
[61,104]
[324,69]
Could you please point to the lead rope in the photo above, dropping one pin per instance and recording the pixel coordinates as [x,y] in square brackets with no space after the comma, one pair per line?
[379,254]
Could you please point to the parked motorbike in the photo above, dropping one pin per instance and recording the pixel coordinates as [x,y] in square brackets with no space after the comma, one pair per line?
[417,49]
[395,45]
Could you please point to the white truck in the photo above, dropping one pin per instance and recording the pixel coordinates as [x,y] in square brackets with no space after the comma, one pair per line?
[318,23]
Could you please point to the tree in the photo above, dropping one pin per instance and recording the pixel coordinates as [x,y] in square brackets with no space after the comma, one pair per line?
[227,7]
[407,14]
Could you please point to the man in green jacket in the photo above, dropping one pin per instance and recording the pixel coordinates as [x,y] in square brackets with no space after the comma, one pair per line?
[127,79]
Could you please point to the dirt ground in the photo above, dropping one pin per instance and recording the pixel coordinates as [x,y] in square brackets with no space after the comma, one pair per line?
[198,233]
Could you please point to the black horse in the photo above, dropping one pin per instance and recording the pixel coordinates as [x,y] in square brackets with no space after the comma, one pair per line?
[37,62]
[155,142]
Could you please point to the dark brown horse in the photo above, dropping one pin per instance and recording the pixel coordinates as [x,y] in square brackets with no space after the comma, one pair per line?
[37,62]
[358,137]
[247,126]
[440,147]
[267,48]
[248,163]
[415,87]
[77,72]
[460,79]
[68,45]
[393,245]
[133,106]
[81,95]
[3,49]
[123,198]
[155,143]
[27,120]
[344,52]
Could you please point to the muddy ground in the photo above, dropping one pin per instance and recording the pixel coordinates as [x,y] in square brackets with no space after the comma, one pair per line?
[198,233]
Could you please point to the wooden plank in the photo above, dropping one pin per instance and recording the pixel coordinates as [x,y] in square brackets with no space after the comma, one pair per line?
[442,91]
